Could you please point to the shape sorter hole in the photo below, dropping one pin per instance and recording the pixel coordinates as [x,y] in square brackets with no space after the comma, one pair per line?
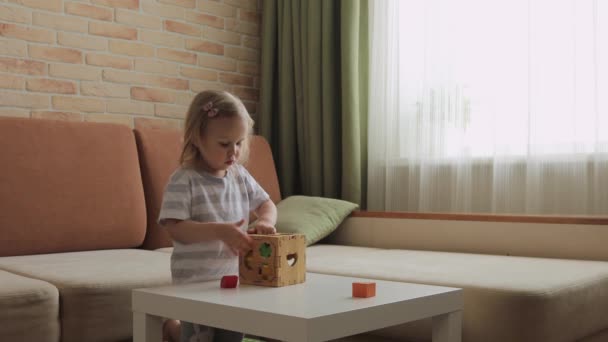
[248,260]
[264,271]
[265,250]
[292,259]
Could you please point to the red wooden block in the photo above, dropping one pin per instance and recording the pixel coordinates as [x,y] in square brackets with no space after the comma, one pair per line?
[364,290]
[229,281]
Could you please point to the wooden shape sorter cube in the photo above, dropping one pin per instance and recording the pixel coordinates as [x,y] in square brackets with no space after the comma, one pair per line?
[275,260]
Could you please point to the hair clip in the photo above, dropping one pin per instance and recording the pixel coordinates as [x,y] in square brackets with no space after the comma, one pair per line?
[211,111]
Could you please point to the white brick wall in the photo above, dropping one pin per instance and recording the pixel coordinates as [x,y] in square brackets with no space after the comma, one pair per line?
[133,62]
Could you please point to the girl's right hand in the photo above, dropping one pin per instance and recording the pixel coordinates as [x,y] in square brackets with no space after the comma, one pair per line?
[236,239]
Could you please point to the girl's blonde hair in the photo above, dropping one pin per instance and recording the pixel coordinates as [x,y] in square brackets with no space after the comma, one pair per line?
[206,106]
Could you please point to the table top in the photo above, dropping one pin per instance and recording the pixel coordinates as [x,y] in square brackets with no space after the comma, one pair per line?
[318,309]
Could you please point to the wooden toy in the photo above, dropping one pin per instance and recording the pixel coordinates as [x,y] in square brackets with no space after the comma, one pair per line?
[229,281]
[275,260]
[364,290]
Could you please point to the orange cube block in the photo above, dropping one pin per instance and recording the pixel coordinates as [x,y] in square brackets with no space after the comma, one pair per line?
[364,289]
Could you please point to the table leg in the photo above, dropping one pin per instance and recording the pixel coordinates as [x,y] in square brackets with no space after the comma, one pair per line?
[147,328]
[447,327]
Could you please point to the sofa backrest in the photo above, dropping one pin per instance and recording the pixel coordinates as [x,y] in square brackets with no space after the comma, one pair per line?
[158,157]
[68,186]
[261,166]
[159,151]
[582,238]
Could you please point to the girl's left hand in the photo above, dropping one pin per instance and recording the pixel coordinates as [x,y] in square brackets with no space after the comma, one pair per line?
[262,227]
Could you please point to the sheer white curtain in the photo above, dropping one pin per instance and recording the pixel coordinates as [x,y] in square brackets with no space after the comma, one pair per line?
[489,106]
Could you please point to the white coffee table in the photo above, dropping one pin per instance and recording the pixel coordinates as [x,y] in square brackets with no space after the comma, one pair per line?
[320,309]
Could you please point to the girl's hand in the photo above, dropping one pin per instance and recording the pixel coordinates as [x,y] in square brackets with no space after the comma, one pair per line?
[262,227]
[235,238]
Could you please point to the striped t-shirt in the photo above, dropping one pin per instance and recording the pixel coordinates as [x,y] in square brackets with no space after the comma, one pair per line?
[198,196]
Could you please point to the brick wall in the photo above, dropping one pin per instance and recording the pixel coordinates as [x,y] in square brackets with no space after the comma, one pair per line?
[134,62]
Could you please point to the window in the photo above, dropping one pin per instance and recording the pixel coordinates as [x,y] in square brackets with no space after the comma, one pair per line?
[464,82]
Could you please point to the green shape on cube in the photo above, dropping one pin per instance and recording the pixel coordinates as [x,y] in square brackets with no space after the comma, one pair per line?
[251,339]
[265,250]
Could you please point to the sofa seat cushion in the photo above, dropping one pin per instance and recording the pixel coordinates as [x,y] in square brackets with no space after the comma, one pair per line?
[29,309]
[95,287]
[506,298]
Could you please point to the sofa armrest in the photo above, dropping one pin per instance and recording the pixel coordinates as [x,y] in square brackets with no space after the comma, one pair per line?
[537,236]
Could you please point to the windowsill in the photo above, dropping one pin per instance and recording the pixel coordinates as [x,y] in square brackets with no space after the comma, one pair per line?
[515,160]
[557,219]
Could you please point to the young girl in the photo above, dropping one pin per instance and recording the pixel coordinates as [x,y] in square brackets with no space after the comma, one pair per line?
[208,199]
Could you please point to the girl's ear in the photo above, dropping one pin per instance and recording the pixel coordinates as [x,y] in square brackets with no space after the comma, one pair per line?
[197,141]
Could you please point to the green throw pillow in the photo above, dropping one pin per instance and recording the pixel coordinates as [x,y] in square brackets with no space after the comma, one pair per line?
[315,217]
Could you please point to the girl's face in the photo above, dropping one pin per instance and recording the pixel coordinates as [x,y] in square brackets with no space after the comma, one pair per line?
[220,143]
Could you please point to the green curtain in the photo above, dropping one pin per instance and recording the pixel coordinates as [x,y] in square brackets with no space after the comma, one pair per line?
[313,105]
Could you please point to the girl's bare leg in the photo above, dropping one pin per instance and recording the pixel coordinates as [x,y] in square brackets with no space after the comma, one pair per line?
[171,330]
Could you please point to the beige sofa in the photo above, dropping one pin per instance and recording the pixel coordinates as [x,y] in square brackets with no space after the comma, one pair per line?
[524,279]
[78,206]
[72,219]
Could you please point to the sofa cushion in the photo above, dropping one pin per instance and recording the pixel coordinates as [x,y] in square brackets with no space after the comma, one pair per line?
[95,287]
[159,151]
[68,186]
[261,166]
[576,237]
[506,298]
[315,217]
[29,309]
